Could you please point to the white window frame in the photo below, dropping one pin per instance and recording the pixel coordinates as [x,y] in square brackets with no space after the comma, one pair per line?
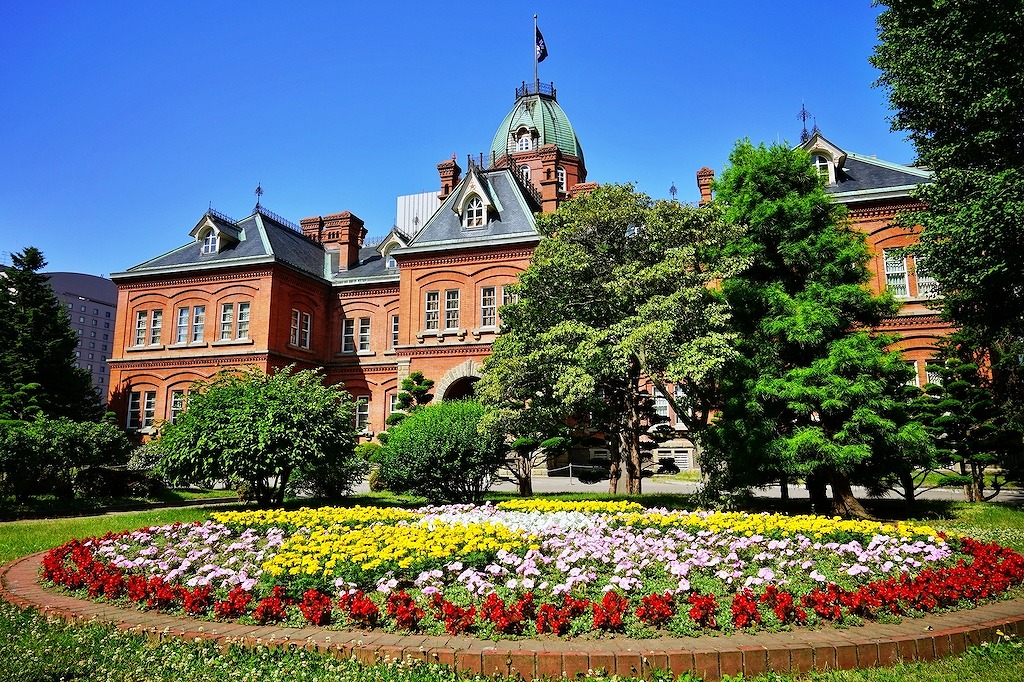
[432,311]
[362,413]
[927,286]
[176,404]
[916,380]
[211,241]
[348,335]
[896,280]
[227,321]
[451,309]
[184,314]
[560,174]
[473,216]
[198,324]
[296,320]
[305,330]
[242,322]
[393,338]
[141,318]
[156,327]
[488,306]
[364,333]
[661,406]
[524,172]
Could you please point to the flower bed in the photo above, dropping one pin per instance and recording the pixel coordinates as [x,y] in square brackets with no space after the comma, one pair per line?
[532,567]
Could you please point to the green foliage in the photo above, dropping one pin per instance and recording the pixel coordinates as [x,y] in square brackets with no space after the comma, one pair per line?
[618,292]
[804,397]
[268,430]
[952,73]
[963,417]
[415,392]
[38,371]
[44,455]
[438,453]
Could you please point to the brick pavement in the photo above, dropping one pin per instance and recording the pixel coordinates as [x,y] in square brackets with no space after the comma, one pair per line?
[925,638]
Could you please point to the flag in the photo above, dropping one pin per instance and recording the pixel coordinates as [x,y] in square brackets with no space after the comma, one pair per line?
[542,49]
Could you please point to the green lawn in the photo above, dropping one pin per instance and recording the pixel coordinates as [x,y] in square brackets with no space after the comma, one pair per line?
[32,648]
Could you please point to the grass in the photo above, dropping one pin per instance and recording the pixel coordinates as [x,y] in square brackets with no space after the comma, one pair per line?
[42,506]
[33,648]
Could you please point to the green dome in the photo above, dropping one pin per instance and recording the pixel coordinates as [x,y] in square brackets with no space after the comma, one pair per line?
[539,113]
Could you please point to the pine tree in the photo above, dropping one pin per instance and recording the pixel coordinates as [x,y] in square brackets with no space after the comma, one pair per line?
[37,345]
[813,394]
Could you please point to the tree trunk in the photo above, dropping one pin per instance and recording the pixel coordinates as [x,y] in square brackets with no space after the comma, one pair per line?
[968,488]
[843,502]
[525,477]
[816,491]
[907,481]
[615,469]
[631,455]
[784,488]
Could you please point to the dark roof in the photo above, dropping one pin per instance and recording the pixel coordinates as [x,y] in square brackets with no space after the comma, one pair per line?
[512,221]
[261,239]
[860,173]
[371,265]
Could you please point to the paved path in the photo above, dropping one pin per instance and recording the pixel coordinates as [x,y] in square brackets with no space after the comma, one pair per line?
[800,650]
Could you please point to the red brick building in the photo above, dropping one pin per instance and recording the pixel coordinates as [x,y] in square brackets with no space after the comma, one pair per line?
[262,291]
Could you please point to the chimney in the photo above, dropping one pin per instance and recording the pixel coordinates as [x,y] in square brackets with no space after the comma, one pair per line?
[705,176]
[450,173]
[341,230]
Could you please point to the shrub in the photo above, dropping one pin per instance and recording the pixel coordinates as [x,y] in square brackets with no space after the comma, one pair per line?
[438,453]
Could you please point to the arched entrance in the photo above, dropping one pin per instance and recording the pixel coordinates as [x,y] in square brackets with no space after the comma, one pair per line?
[460,389]
[457,383]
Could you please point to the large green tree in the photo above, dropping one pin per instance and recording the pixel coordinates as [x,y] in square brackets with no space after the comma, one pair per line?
[268,430]
[811,392]
[38,371]
[953,74]
[618,300]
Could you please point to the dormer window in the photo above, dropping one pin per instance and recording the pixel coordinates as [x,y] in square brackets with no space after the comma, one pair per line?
[524,140]
[211,242]
[823,166]
[474,213]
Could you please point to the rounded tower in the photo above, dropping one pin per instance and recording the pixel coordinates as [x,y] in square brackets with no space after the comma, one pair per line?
[536,140]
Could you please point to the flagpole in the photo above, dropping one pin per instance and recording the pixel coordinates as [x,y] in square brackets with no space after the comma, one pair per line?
[536,77]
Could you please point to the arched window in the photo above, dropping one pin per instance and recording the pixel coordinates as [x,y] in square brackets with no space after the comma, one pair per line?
[560,174]
[524,143]
[474,213]
[822,165]
[210,242]
[524,172]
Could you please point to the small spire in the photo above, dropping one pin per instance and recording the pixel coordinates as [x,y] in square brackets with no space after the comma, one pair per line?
[672,190]
[803,116]
[258,193]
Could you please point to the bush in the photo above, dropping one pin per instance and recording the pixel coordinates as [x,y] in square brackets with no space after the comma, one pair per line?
[106,482]
[44,455]
[438,453]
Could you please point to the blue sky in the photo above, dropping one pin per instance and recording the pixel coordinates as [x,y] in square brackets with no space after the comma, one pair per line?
[121,122]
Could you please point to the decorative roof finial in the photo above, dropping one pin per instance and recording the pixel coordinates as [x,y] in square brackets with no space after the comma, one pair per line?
[803,116]
[258,193]
[672,190]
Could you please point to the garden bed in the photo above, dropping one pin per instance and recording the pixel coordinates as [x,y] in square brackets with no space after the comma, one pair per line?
[538,568]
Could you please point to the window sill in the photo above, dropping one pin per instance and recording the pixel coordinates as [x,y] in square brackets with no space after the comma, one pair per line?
[480,331]
[233,342]
[390,351]
[300,348]
[197,344]
[441,333]
[140,349]
[366,353]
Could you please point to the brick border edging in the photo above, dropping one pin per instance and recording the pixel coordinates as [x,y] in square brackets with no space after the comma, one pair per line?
[925,638]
